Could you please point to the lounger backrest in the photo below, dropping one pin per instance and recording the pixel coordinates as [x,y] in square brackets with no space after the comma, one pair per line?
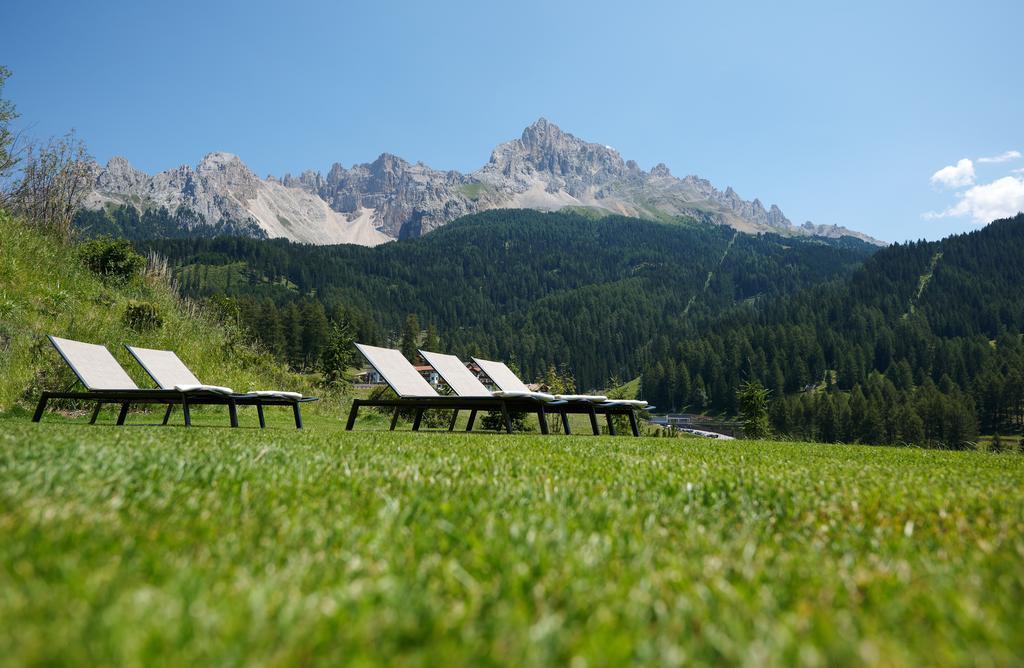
[164,367]
[502,376]
[94,365]
[402,376]
[454,372]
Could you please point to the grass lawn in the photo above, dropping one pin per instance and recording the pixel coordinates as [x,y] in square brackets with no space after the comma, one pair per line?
[145,545]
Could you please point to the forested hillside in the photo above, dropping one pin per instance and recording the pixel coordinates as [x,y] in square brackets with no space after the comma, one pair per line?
[541,289]
[922,344]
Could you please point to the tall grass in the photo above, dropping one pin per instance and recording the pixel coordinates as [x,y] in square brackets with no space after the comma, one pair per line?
[44,289]
[216,546]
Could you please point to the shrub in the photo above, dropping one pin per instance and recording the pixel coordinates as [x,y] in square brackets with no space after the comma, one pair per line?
[495,421]
[142,316]
[432,419]
[113,259]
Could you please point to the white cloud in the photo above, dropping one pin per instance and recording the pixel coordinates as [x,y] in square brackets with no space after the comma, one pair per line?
[1002,157]
[1000,199]
[955,176]
[1018,171]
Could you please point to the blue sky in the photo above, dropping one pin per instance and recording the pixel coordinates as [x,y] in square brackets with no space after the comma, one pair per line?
[837,112]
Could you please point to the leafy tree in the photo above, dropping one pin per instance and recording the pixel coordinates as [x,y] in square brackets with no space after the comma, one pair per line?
[8,157]
[55,178]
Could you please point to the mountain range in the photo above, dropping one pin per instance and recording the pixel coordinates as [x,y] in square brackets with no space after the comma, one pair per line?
[545,169]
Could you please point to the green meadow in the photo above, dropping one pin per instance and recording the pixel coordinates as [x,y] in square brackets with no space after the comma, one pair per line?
[209,546]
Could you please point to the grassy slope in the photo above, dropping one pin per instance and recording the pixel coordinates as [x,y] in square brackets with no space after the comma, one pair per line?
[212,546]
[45,290]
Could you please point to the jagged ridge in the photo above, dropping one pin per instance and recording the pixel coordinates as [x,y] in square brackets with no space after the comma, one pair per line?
[545,169]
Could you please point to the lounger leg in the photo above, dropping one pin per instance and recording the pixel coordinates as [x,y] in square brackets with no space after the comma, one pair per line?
[593,421]
[259,412]
[186,411]
[233,413]
[40,407]
[565,423]
[394,420]
[298,415]
[472,418]
[123,414]
[96,412]
[167,415]
[632,422]
[508,418]
[611,424]
[455,416]
[352,415]
[542,417]
[416,422]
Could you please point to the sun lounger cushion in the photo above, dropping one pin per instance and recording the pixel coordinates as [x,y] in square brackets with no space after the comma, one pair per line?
[517,394]
[204,388]
[581,397]
[638,403]
[275,393]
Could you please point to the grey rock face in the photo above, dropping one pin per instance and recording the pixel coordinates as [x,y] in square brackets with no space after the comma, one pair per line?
[545,168]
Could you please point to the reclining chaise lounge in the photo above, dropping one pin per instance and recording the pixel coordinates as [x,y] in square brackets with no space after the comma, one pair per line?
[170,373]
[106,382]
[470,394]
[416,393]
[510,385]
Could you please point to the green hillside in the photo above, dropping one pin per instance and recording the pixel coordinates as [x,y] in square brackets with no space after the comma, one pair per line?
[541,289]
[921,345]
[46,289]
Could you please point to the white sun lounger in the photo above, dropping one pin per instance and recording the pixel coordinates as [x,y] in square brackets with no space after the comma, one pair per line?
[509,384]
[465,384]
[417,394]
[106,382]
[170,373]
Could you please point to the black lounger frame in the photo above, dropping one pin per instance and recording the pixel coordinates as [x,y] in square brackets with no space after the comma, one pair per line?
[507,406]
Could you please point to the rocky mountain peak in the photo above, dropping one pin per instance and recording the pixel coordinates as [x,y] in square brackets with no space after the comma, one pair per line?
[545,168]
[227,171]
[221,162]
[120,175]
[660,171]
[542,133]
[388,162]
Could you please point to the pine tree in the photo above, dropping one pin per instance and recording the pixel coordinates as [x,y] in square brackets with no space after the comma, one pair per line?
[753,403]
[408,341]
[339,354]
[431,341]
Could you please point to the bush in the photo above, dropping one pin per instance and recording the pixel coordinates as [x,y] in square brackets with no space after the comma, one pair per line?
[495,421]
[435,418]
[113,259]
[142,316]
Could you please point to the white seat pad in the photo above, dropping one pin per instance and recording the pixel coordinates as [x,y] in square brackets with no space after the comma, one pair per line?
[276,393]
[520,394]
[581,397]
[204,388]
[627,402]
